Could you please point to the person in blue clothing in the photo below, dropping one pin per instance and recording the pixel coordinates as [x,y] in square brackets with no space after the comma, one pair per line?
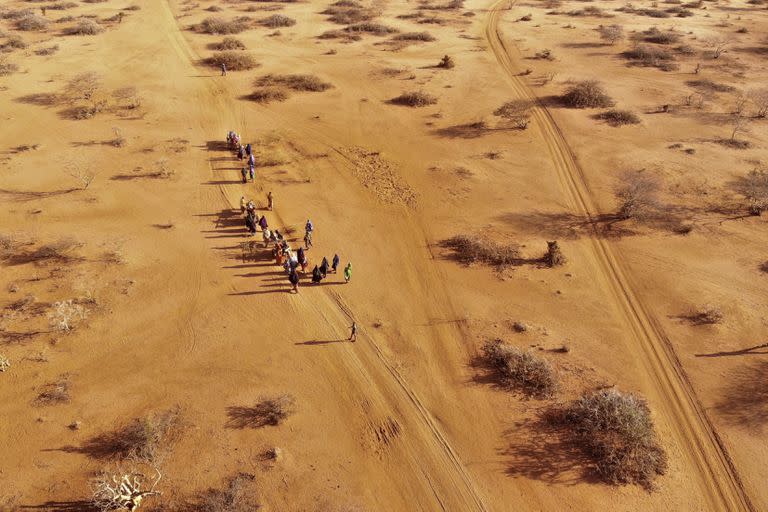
[248,149]
[252,172]
[244,174]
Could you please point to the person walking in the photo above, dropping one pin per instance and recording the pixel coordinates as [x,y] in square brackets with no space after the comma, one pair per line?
[293,277]
[270,201]
[43,10]
[223,69]
[251,159]
[263,222]
[308,240]
[353,332]
[240,152]
[309,227]
[316,276]
[348,272]
[248,149]
[335,263]
[242,204]
[324,267]
[244,173]
[252,172]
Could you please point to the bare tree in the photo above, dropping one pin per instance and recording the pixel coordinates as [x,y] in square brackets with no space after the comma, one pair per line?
[738,125]
[122,491]
[718,45]
[82,87]
[759,98]
[637,195]
[611,34]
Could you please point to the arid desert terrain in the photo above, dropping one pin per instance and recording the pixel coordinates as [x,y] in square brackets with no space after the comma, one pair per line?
[549,214]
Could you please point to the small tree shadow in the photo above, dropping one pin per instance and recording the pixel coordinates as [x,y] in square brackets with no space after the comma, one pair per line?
[744,401]
[63,506]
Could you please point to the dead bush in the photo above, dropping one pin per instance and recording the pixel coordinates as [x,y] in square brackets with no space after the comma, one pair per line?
[54,393]
[13,42]
[239,494]
[220,26]
[6,68]
[414,36]
[705,315]
[229,43]
[268,411]
[616,117]
[754,188]
[32,22]
[611,34]
[708,86]
[759,98]
[470,250]
[234,60]
[517,112]
[554,256]
[307,83]
[61,6]
[414,99]
[346,14]
[519,370]
[340,34]
[65,315]
[277,21]
[127,97]
[446,62]
[616,431]
[49,50]
[370,28]
[84,27]
[268,95]
[651,56]
[637,195]
[15,14]
[654,35]
[587,94]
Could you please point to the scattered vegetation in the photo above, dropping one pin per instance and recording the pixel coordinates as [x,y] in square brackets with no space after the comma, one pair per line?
[759,98]
[220,26]
[238,494]
[6,68]
[616,431]
[48,50]
[587,94]
[56,392]
[32,22]
[554,256]
[517,112]
[654,35]
[617,117]
[651,56]
[754,188]
[229,43]
[611,34]
[414,36]
[706,315]
[308,83]
[277,21]
[268,95]
[414,99]
[268,411]
[469,250]
[518,369]
[370,27]
[84,27]
[234,60]
[65,314]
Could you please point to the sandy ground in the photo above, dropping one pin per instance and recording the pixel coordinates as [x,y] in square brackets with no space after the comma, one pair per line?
[174,316]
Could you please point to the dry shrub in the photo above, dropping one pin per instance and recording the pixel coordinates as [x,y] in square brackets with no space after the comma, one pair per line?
[654,35]
[309,83]
[754,188]
[349,12]
[84,27]
[616,117]
[143,439]
[127,97]
[519,370]
[15,14]
[587,94]
[49,50]
[239,494]
[370,28]
[759,98]
[470,250]
[518,112]
[32,22]
[611,34]
[229,43]
[54,393]
[414,99]
[446,62]
[65,314]
[616,430]
[217,25]
[651,56]
[277,21]
[708,86]
[268,95]
[13,42]
[268,411]
[6,68]
[340,34]
[61,6]
[637,194]
[554,257]
[414,36]
[61,251]
[705,315]
[233,59]
[81,87]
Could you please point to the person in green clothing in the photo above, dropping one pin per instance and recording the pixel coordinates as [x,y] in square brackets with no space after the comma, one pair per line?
[348,272]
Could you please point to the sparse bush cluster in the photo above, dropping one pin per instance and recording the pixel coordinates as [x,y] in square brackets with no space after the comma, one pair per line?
[617,117]
[277,21]
[272,88]
[32,22]
[705,315]
[518,112]
[414,36]
[654,35]
[220,26]
[519,369]
[470,250]
[234,60]
[369,27]
[651,56]
[6,67]
[346,12]
[587,94]
[611,34]
[229,43]
[754,188]
[84,27]
[268,411]
[616,431]
[54,393]
[414,99]
[143,439]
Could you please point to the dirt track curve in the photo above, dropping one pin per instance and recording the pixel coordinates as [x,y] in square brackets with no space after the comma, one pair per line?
[718,478]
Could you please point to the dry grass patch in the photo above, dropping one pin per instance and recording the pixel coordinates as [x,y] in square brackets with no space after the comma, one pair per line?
[414,99]
[415,36]
[587,94]
[234,60]
[616,431]
[32,22]
[48,50]
[368,27]
[239,494]
[268,95]
[651,56]
[221,26]
[654,35]
[705,315]
[518,369]
[469,250]
[616,117]
[54,393]
[277,21]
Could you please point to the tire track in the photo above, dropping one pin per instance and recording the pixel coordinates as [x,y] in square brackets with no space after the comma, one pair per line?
[719,479]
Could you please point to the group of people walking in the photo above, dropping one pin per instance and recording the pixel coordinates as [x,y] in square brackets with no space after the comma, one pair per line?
[285,256]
